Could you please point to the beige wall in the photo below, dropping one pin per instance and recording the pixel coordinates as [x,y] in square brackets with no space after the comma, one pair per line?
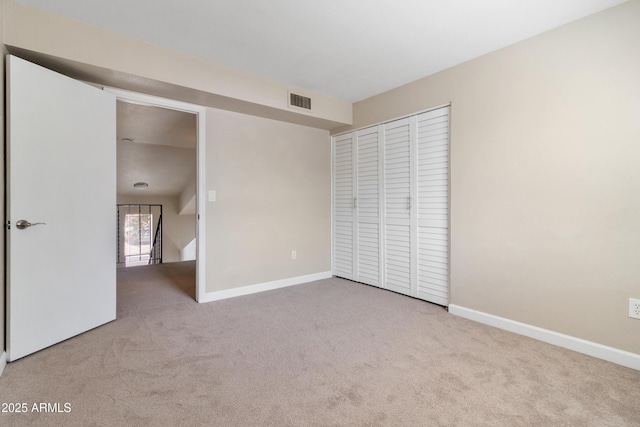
[545,176]
[177,230]
[273,187]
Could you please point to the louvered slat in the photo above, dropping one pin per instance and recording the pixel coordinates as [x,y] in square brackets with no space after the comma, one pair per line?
[397,189]
[433,205]
[397,169]
[368,212]
[343,207]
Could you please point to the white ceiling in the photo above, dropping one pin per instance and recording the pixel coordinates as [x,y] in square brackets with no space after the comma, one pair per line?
[350,49]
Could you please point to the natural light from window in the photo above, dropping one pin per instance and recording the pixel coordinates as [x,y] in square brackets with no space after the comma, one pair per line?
[137,239]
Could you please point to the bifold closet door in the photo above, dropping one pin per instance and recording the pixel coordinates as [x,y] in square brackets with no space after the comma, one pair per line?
[367,204]
[432,182]
[343,207]
[391,206]
[397,207]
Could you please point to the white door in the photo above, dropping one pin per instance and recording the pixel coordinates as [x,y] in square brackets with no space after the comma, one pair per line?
[433,205]
[343,206]
[61,170]
[368,206]
[398,251]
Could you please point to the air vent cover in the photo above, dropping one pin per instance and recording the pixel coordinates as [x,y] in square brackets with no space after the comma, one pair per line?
[299,101]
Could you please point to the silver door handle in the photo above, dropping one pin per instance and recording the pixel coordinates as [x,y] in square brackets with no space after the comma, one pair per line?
[23,223]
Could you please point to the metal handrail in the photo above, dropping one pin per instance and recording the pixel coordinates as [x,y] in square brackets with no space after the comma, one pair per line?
[156,241]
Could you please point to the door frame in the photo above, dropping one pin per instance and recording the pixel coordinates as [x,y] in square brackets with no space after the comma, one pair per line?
[200,112]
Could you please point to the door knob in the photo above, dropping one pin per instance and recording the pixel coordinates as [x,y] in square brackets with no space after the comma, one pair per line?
[23,223]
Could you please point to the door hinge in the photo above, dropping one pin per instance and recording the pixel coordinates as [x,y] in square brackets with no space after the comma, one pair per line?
[8,225]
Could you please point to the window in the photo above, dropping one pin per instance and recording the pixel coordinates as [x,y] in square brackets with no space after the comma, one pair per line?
[138,238]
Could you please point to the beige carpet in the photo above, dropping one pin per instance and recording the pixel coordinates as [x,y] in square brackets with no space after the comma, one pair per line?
[327,353]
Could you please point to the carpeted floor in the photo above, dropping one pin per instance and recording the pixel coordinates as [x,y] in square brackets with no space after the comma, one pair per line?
[327,353]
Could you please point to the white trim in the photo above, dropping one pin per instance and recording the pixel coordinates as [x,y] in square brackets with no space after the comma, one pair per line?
[610,354]
[200,112]
[201,218]
[448,104]
[3,362]
[332,171]
[382,274]
[261,287]
[414,202]
[355,244]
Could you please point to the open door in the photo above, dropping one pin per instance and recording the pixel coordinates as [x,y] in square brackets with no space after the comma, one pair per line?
[61,172]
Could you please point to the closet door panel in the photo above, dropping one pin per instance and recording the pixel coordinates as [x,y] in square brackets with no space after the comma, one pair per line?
[433,205]
[397,206]
[391,206]
[368,207]
[343,206]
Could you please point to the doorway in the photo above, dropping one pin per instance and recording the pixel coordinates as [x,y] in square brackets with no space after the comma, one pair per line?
[165,166]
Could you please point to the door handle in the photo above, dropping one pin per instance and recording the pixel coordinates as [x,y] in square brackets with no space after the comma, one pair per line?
[23,223]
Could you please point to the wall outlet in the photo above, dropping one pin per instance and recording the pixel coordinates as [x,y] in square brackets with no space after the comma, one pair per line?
[634,308]
[294,255]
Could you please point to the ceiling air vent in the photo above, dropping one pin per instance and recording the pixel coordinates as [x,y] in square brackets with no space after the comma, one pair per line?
[299,101]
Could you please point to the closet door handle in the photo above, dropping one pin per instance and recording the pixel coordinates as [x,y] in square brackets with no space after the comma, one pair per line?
[355,203]
[409,202]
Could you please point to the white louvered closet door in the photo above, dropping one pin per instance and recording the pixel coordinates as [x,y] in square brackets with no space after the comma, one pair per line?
[368,207]
[397,207]
[433,205]
[343,206]
[391,206]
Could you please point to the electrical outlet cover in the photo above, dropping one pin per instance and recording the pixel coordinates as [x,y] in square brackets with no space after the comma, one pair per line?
[634,308]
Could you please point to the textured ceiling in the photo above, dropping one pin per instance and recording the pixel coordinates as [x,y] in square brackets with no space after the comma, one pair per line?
[350,49]
[156,146]
[154,125]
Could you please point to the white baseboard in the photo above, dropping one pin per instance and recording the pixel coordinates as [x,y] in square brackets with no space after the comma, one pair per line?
[261,287]
[610,354]
[3,362]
